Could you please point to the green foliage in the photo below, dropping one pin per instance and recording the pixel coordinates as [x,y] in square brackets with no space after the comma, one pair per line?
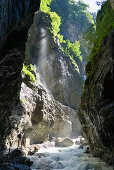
[55,19]
[73,49]
[44,5]
[61,40]
[76,11]
[60,11]
[104,25]
[28,70]
[74,63]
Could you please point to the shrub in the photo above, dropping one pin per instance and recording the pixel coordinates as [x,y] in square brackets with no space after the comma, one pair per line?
[27,70]
[104,25]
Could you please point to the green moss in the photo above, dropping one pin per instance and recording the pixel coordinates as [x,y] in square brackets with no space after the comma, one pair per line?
[28,70]
[104,25]
[22,101]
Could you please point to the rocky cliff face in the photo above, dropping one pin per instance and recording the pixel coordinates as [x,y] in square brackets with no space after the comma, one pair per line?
[97,105]
[75,20]
[56,113]
[16,18]
[56,69]
[44,117]
[41,109]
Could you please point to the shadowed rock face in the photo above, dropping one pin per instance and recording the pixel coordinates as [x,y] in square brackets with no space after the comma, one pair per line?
[16,18]
[97,106]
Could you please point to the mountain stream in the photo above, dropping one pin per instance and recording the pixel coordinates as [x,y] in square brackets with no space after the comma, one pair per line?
[69,158]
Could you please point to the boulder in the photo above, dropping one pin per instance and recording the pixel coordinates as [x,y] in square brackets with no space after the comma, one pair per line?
[83,141]
[60,142]
[80,141]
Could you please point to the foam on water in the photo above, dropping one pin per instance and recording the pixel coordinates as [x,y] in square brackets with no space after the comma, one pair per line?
[70,158]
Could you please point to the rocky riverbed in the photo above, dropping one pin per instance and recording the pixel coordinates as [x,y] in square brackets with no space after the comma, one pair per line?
[60,153]
[66,158]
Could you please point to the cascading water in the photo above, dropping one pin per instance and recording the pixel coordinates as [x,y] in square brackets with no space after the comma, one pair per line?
[70,158]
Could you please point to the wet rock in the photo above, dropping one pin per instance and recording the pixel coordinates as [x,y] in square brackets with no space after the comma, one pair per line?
[15,160]
[87,150]
[60,142]
[81,147]
[33,148]
[40,155]
[81,141]
[77,142]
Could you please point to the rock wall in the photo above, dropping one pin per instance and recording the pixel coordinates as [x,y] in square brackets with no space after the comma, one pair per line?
[43,109]
[40,116]
[59,80]
[16,18]
[56,69]
[97,105]
[75,20]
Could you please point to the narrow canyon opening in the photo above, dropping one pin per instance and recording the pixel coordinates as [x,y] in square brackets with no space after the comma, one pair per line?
[56,91]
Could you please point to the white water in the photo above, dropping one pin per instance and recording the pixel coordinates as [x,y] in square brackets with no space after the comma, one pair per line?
[70,158]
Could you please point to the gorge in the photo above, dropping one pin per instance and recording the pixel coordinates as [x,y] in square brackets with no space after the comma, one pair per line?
[42,71]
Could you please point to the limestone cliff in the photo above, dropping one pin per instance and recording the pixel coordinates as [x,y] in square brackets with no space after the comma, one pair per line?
[75,20]
[15,20]
[97,105]
[59,81]
[56,69]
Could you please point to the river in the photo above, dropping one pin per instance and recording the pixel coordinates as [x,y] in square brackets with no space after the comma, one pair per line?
[70,158]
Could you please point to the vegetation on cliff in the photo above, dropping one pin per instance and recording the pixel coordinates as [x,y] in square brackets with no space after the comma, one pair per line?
[97,101]
[29,72]
[59,12]
[75,11]
[56,20]
[96,34]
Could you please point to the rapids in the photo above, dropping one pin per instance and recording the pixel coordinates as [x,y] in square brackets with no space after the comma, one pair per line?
[70,158]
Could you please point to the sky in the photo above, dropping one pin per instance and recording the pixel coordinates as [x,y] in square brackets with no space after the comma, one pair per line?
[93,6]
